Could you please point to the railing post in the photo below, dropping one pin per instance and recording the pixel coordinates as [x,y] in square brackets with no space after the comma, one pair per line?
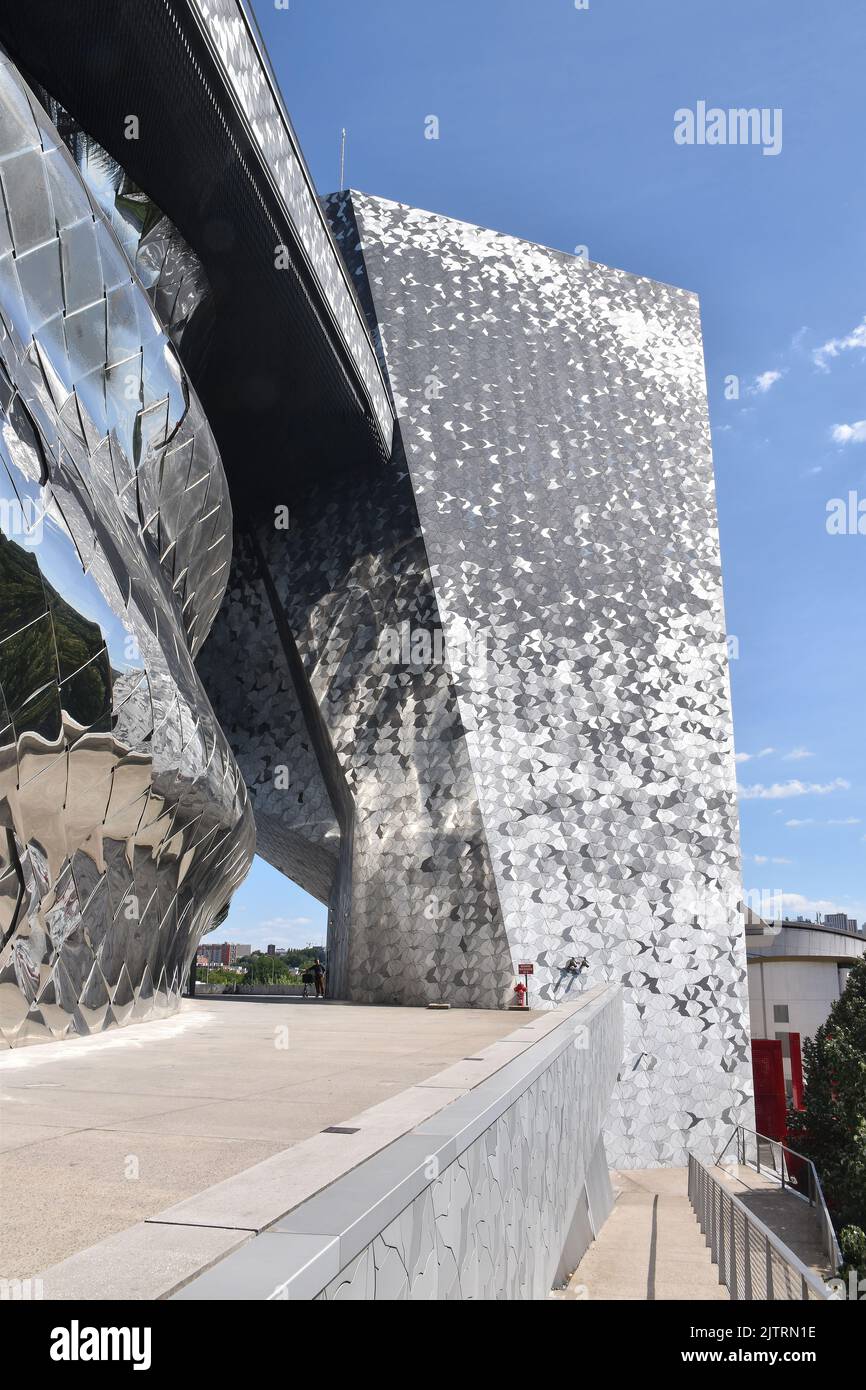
[747,1261]
[769,1255]
[709,1216]
[732,1256]
[722,1279]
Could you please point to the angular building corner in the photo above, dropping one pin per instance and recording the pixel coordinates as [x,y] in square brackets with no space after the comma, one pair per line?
[555,426]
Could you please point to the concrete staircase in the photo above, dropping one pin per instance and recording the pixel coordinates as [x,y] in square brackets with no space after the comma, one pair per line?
[650,1248]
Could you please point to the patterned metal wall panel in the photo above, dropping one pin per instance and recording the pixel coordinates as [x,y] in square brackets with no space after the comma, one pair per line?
[228,28]
[556,435]
[423,921]
[125,823]
[257,705]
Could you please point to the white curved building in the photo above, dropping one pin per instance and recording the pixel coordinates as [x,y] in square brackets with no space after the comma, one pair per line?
[797,971]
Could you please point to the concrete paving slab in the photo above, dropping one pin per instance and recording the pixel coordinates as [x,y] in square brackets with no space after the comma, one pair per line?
[139,1263]
[15,1136]
[66,1108]
[97,1182]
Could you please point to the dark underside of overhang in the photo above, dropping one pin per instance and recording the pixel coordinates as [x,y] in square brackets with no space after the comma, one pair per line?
[279,386]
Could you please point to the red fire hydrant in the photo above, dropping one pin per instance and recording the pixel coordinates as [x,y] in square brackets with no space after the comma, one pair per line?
[519,994]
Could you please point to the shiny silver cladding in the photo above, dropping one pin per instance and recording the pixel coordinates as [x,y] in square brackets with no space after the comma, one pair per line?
[125,823]
[555,425]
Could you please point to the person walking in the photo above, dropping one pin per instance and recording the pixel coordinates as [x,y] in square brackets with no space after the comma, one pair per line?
[319,978]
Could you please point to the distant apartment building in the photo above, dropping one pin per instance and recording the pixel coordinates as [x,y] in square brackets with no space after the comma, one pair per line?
[839,921]
[221,953]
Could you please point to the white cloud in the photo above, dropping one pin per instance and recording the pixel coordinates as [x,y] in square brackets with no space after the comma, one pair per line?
[758,792]
[855,339]
[850,434]
[747,757]
[277,923]
[849,820]
[763,382]
[282,931]
[801,906]
[795,755]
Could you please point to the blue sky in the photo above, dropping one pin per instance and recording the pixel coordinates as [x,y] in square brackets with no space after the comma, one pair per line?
[556,124]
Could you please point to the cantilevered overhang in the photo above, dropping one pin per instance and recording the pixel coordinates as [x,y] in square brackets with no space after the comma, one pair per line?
[290,382]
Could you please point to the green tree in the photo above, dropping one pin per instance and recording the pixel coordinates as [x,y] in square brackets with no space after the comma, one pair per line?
[831,1129]
[213,975]
[262,969]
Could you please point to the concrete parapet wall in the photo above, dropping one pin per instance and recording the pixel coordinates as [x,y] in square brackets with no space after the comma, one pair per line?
[483,1199]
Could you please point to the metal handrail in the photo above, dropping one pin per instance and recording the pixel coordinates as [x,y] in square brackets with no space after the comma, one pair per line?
[815,1196]
[754,1264]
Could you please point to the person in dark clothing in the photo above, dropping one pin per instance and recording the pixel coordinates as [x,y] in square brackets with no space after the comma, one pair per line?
[574,967]
[319,978]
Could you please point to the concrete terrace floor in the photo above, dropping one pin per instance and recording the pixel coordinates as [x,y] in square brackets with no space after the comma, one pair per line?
[99,1133]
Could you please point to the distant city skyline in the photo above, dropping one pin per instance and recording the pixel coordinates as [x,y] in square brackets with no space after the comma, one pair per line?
[269,909]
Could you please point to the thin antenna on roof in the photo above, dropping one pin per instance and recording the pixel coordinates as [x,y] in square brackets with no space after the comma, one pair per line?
[343,160]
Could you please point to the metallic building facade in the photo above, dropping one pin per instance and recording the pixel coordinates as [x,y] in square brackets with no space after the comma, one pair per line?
[556,437]
[444,502]
[126,825]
